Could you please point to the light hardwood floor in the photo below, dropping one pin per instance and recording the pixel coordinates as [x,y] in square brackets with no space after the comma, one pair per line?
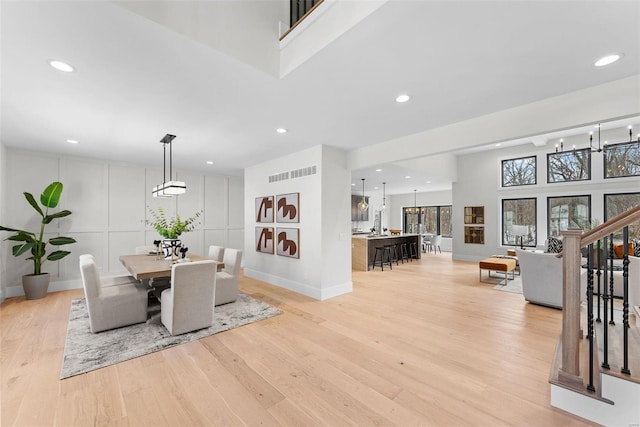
[424,344]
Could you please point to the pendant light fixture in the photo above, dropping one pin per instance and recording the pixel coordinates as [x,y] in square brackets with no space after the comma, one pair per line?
[363,205]
[168,188]
[384,199]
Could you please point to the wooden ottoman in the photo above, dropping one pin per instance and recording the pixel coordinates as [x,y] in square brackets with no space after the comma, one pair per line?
[504,265]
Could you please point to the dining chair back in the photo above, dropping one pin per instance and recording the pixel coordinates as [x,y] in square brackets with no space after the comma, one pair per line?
[228,279]
[111,307]
[187,305]
[216,252]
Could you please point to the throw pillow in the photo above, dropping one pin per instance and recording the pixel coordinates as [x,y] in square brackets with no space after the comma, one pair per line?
[636,250]
[618,249]
[554,245]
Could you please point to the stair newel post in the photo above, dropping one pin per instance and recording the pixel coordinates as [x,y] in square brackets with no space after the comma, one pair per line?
[570,369]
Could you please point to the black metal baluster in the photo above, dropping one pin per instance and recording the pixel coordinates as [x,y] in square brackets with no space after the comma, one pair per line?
[625,301]
[610,259]
[605,324]
[590,324]
[599,274]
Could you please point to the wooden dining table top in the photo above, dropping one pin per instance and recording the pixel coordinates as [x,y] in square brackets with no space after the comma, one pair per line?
[149,267]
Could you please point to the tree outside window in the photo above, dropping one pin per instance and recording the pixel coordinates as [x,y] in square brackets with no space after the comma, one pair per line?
[428,219]
[567,212]
[622,160]
[521,171]
[615,204]
[519,222]
[569,166]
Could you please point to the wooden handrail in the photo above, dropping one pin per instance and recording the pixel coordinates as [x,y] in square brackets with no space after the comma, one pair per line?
[613,225]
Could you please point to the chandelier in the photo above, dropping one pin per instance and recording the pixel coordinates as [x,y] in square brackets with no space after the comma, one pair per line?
[601,147]
[168,188]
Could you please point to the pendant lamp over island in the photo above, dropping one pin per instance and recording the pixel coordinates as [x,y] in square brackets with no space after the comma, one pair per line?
[168,188]
[363,205]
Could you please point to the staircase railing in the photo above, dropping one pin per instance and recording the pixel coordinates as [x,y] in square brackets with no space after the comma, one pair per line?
[573,241]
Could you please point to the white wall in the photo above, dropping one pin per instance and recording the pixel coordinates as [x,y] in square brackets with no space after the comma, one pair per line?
[3,215]
[109,208]
[324,267]
[479,184]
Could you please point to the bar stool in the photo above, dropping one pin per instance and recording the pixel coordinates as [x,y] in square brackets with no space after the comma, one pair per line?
[404,253]
[383,251]
[394,252]
[413,250]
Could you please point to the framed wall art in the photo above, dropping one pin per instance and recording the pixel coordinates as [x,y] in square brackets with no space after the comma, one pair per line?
[288,207]
[288,242]
[264,240]
[264,209]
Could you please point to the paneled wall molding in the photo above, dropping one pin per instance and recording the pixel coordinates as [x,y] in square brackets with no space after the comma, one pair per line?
[110,202]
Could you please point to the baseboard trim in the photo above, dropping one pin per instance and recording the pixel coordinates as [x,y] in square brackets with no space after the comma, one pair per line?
[301,288]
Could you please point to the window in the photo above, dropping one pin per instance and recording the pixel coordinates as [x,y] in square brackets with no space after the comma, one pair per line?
[519,222]
[567,212]
[521,171]
[622,160]
[569,166]
[428,219]
[615,204]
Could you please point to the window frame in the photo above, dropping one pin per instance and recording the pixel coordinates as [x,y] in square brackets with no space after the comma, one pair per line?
[587,152]
[422,213]
[612,148]
[531,242]
[535,171]
[569,219]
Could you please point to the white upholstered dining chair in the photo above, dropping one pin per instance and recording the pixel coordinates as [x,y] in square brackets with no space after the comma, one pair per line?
[188,304]
[109,307]
[227,280]
[216,252]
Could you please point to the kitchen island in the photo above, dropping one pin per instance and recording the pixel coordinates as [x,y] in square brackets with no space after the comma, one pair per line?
[363,247]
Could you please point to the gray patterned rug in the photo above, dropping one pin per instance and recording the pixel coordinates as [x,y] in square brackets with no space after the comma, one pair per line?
[85,351]
[513,285]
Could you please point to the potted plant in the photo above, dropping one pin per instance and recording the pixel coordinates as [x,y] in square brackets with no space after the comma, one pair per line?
[171,229]
[36,284]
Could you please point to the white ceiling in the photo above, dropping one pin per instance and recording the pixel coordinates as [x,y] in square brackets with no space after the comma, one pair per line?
[137,80]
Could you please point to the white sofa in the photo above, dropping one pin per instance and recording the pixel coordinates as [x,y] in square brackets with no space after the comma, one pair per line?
[541,275]
[542,279]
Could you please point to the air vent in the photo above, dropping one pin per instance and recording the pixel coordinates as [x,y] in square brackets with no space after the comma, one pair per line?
[279,177]
[297,173]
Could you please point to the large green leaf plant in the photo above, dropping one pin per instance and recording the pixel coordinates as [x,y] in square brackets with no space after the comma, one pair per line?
[35,242]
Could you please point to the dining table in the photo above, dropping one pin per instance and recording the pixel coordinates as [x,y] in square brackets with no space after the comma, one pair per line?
[149,266]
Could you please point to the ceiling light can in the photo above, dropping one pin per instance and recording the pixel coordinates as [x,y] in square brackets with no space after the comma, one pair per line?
[61,66]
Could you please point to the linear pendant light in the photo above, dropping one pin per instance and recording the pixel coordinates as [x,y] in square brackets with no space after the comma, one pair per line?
[168,188]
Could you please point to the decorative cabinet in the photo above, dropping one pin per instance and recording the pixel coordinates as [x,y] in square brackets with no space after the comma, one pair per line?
[474,215]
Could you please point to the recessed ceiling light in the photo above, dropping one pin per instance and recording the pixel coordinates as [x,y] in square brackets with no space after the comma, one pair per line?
[209,162]
[72,141]
[606,60]
[61,66]
[428,182]
[375,188]
[378,170]
[282,130]
[407,177]
[352,184]
[402,98]
[498,144]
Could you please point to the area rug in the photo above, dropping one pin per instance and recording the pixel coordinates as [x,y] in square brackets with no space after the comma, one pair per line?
[85,351]
[514,286]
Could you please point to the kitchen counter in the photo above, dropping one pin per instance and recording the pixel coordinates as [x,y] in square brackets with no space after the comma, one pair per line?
[363,247]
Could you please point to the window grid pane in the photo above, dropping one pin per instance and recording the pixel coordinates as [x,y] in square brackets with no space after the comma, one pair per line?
[521,171]
[519,222]
[568,212]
